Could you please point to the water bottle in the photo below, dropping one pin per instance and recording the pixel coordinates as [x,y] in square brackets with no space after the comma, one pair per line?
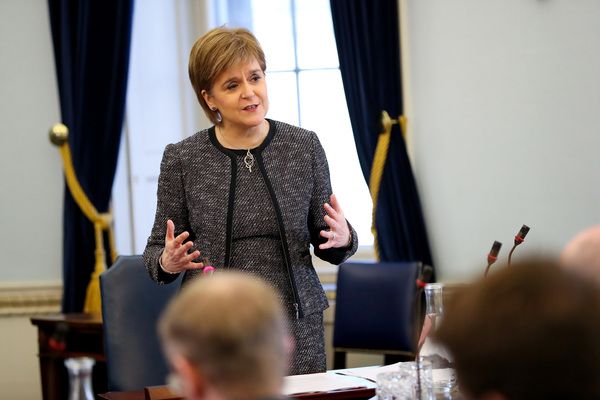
[443,374]
[80,378]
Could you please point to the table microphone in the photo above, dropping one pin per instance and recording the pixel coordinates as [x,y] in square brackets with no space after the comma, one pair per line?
[493,255]
[520,238]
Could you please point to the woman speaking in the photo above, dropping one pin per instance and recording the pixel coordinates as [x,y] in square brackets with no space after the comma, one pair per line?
[249,194]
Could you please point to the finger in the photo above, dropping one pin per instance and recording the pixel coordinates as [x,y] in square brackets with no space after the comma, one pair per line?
[332,223]
[191,257]
[182,237]
[330,210]
[170,235]
[329,235]
[194,265]
[335,203]
[327,245]
[182,250]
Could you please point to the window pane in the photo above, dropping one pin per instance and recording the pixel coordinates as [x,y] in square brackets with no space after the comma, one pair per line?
[283,97]
[316,40]
[154,112]
[272,25]
[323,110]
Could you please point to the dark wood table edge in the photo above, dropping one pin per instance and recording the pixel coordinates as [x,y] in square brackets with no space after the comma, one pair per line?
[342,394]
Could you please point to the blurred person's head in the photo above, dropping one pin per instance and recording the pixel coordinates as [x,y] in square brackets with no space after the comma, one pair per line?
[529,331]
[582,254]
[217,54]
[225,337]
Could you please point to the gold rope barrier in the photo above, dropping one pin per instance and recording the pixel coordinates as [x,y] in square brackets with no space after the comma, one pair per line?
[102,221]
[379,160]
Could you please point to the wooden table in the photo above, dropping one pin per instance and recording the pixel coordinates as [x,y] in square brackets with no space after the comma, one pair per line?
[346,394]
[62,336]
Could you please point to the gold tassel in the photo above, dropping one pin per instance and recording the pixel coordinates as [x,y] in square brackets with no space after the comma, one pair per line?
[93,301]
[379,160]
[93,304]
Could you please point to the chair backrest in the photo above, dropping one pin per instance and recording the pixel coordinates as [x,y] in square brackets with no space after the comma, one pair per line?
[131,305]
[375,306]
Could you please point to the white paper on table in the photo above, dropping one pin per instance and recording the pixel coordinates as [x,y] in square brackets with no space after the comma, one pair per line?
[323,382]
[439,374]
[370,372]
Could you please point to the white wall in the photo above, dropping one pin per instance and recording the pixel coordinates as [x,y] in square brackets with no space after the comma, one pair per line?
[503,111]
[30,170]
[31,185]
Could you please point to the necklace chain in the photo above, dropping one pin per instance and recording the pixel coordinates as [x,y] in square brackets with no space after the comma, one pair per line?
[248,158]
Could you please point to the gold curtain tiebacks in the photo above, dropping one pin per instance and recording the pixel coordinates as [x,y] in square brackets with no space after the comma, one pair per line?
[379,160]
[59,135]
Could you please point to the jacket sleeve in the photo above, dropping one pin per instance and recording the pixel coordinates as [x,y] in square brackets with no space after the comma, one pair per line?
[320,195]
[171,204]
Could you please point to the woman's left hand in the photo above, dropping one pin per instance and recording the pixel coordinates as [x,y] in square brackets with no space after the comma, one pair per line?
[338,234]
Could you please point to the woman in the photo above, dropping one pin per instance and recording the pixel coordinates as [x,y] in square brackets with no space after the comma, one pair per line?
[249,193]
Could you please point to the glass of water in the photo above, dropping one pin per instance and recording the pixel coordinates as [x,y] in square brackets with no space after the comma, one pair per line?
[412,380]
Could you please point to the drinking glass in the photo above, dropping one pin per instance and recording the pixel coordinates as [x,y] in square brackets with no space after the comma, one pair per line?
[412,380]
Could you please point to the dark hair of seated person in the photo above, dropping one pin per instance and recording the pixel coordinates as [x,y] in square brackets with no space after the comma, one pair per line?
[528,331]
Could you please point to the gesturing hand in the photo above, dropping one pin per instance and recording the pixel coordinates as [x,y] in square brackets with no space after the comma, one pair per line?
[338,234]
[175,257]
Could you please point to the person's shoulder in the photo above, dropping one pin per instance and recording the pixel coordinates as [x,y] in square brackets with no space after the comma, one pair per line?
[290,132]
[198,138]
[191,143]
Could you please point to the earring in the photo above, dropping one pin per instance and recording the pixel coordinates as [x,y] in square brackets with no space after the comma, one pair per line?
[218,116]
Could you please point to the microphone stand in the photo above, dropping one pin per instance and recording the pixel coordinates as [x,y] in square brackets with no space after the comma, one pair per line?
[423,279]
[419,389]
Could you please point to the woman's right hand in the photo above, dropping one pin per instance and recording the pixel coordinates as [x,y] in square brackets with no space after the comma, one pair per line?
[175,257]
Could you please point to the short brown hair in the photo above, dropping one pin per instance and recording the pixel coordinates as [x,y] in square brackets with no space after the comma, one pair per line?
[232,328]
[529,331]
[216,51]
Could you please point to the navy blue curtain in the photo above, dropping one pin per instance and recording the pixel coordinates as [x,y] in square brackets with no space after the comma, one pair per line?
[91,50]
[367,37]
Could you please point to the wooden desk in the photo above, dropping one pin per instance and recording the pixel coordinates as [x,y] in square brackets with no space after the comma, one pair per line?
[348,394]
[63,336]
[311,386]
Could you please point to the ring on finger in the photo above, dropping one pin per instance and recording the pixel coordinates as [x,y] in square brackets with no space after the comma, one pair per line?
[333,236]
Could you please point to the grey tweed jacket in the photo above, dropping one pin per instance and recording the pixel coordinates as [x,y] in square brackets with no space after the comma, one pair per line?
[196,190]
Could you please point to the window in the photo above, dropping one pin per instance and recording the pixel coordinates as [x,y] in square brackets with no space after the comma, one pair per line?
[305,89]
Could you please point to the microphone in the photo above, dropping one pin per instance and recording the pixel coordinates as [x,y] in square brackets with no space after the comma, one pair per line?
[493,255]
[521,235]
[519,238]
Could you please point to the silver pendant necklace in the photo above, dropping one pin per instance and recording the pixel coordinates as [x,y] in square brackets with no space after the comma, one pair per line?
[249,160]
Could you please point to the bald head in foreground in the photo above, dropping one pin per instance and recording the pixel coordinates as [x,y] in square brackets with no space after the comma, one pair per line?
[529,331]
[582,254]
[225,337]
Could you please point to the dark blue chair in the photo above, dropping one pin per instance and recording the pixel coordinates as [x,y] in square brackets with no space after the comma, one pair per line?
[131,305]
[375,310]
